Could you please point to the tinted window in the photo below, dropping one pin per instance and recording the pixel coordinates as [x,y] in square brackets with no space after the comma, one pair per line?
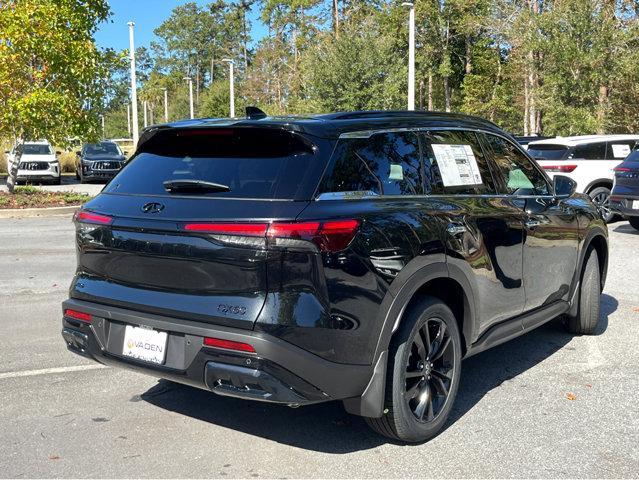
[590,151]
[34,149]
[519,175]
[548,151]
[254,163]
[454,163]
[384,164]
[620,149]
[105,148]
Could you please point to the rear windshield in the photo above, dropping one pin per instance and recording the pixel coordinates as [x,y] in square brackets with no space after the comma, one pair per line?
[548,151]
[251,162]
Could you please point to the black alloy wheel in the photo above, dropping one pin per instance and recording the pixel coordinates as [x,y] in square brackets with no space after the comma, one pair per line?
[429,372]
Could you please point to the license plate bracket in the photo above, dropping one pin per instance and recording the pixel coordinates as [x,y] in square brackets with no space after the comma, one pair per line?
[145,344]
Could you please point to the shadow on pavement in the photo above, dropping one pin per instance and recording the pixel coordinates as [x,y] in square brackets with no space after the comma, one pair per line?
[625,227]
[328,428]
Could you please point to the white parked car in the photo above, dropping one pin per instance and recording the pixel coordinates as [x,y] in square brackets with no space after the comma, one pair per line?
[38,162]
[588,159]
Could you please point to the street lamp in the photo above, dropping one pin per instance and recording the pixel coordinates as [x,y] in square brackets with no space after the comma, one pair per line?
[134,90]
[411,54]
[166,105]
[145,115]
[190,80]
[102,120]
[231,86]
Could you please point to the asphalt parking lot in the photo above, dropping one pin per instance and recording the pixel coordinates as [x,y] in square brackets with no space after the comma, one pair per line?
[544,405]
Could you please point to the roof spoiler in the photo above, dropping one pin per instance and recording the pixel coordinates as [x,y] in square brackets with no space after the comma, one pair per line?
[254,113]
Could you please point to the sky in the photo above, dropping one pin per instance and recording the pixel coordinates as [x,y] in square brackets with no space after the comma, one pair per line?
[148,15]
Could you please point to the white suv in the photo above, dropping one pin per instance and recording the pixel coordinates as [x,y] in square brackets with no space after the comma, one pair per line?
[38,162]
[589,160]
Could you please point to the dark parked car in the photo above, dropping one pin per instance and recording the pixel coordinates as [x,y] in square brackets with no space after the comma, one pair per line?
[98,161]
[624,198]
[350,256]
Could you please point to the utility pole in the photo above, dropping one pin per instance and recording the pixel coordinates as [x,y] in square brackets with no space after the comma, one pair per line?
[231,86]
[128,117]
[103,133]
[145,116]
[190,80]
[134,88]
[411,58]
[166,105]
[411,54]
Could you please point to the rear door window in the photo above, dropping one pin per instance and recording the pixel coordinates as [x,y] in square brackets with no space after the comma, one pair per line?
[255,163]
[590,151]
[619,149]
[518,174]
[454,163]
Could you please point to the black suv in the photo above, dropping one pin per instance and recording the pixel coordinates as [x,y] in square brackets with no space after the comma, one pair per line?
[350,256]
[98,161]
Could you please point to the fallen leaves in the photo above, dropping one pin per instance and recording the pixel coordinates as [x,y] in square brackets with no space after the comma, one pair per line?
[571,396]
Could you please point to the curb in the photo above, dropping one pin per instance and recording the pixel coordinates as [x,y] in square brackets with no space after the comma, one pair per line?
[37,212]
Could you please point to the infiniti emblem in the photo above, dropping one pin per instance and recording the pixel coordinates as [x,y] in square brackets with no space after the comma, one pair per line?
[153,207]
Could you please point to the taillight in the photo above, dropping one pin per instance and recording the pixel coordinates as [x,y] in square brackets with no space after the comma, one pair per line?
[250,229]
[228,345]
[328,236]
[85,317]
[559,168]
[331,236]
[90,217]
[621,169]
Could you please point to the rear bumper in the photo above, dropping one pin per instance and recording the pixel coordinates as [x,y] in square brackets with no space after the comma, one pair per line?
[277,372]
[623,205]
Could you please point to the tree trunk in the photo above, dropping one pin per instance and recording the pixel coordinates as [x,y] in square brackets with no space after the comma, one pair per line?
[212,69]
[430,90]
[13,170]
[602,107]
[421,94]
[468,67]
[446,94]
[526,106]
[493,95]
[244,38]
[197,85]
[336,18]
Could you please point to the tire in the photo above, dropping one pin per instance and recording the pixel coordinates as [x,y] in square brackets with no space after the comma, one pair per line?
[634,222]
[587,318]
[57,181]
[601,197]
[77,174]
[430,375]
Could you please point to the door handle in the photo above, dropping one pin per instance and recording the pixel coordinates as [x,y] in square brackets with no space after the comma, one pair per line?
[455,229]
[532,223]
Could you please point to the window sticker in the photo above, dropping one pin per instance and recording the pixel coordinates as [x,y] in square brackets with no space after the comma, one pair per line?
[621,150]
[457,165]
[396,172]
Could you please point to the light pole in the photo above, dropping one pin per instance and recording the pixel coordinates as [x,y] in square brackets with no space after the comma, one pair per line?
[145,115]
[411,54]
[134,88]
[128,117]
[190,80]
[102,120]
[231,86]
[166,105]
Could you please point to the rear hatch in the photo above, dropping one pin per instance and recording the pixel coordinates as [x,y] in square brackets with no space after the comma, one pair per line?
[181,230]
[627,177]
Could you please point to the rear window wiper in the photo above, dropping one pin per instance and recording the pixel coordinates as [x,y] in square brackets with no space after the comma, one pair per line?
[194,186]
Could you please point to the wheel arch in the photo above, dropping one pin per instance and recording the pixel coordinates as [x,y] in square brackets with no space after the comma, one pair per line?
[600,182]
[444,281]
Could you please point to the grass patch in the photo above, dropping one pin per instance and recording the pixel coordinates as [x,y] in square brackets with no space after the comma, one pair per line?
[31,197]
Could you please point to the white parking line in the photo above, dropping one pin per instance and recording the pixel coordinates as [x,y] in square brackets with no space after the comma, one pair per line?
[45,371]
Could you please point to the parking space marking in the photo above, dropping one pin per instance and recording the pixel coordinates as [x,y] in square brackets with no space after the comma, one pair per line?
[46,371]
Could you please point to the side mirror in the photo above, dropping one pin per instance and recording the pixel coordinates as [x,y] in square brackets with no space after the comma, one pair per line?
[564,186]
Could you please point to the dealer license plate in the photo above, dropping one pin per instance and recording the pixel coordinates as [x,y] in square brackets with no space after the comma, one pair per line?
[144,344]
[635,204]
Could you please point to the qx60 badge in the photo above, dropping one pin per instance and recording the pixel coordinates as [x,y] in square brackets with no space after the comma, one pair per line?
[152,207]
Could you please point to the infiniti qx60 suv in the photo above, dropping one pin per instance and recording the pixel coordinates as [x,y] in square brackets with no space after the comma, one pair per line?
[351,256]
